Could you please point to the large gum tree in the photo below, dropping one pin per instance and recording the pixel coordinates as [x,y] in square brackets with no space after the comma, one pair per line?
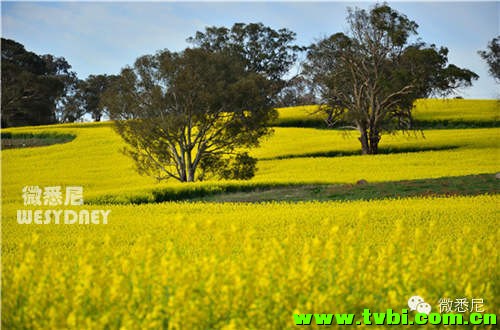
[369,77]
[191,115]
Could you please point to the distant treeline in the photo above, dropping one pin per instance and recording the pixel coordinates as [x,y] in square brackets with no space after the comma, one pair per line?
[42,89]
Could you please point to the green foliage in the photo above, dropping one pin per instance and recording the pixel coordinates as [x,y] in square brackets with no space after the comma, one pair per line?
[263,49]
[492,57]
[176,110]
[296,92]
[182,111]
[242,168]
[32,85]
[86,98]
[235,167]
[371,76]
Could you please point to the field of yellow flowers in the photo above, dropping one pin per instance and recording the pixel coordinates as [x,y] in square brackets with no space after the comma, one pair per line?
[450,110]
[181,265]
[240,266]
[291,155]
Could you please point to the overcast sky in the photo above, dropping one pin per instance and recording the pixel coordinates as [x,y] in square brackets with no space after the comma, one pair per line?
[103,37]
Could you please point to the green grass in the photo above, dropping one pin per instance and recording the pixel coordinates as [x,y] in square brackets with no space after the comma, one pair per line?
[26,140]
[469,185]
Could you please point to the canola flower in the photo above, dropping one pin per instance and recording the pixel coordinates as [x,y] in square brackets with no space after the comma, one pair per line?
[247,266]
[292,155]
[424,109]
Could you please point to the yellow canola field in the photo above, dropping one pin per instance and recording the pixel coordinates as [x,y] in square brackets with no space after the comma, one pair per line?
[425,110]
[291,155]
[456,109]
[247,266]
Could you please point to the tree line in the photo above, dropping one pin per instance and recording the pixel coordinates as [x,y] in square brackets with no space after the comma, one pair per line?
[42,89]
[191,115]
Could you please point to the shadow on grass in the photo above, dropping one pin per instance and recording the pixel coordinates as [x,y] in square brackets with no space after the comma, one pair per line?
[454,124]
[381,151]
[28,140]
[469,185]
[417,124]
[191,193]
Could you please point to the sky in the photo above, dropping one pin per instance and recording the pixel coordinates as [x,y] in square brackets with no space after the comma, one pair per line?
[103,37]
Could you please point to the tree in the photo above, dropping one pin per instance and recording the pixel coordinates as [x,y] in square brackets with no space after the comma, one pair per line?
[296,92]
[370,77]
[264,50]
[86,99]
[32,85]
[73,107]
[492,57]
[189,115]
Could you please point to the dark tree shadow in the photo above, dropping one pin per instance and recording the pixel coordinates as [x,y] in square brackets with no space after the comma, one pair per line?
[381,151]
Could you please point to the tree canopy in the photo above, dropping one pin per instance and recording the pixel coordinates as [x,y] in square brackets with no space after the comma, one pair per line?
[492,57]
[190,115]
[86,98]
[189,111]
[369,77]
[262,49]
[33,86]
